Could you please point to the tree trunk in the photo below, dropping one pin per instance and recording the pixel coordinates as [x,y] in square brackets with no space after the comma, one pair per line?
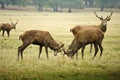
[55,8]
[70,10]
[2,5]
[40,8]
[91,3]
[102,8]
[86,3]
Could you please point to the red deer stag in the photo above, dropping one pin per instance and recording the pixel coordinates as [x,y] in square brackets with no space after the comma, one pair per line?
[87,36]
[41,38]
[8,27]
[102,26]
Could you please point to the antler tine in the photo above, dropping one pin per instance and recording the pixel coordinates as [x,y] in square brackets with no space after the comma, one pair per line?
[109,15]
[101,17]
[17,21]
[98,16]
[11,21]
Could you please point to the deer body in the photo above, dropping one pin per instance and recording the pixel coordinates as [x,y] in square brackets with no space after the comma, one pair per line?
[40,38]
[84,37]
[7,27]
[102,26]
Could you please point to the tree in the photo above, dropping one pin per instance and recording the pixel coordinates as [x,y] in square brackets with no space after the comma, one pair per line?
[12,2]
[89,3]
[114,3]
[55,4]
[102,4]
[40,4]
[18,2]
[4,3]
[70,4]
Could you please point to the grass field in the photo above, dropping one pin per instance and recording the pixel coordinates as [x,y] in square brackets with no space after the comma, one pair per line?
[58,67]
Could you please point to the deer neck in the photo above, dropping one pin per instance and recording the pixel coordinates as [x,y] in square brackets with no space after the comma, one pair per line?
[103,27]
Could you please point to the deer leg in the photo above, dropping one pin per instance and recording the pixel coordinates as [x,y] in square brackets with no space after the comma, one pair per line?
[90,48]
[8,32]
[40,50]
[46,49]
[18,53]
[21,55]
[101,50]
[96,50]
[83,47]
[3,33]
[77,55]
[21,49]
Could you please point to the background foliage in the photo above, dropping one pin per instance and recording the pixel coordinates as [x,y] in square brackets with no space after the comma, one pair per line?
[70,4]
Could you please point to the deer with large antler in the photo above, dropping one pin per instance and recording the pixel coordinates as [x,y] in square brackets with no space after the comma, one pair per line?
[8,27]
[102,26]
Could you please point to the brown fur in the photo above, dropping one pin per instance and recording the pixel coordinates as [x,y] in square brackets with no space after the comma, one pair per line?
[102,26]
[37,37]
[78,28]
[84,37]
[7,27]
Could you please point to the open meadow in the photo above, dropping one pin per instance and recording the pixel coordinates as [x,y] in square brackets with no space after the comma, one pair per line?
[58,67]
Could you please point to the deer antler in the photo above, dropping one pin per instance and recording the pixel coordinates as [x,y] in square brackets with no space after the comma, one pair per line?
[16,22]
[109,15]
[11,21]
[98,16]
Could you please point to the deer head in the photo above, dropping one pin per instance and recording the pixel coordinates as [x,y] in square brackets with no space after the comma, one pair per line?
[104,21]
[14,24]
[103,25]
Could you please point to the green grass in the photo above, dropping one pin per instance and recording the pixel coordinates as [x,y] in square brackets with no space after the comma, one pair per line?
[58,67]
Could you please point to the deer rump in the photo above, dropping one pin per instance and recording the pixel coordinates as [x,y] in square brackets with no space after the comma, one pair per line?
[41,38]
